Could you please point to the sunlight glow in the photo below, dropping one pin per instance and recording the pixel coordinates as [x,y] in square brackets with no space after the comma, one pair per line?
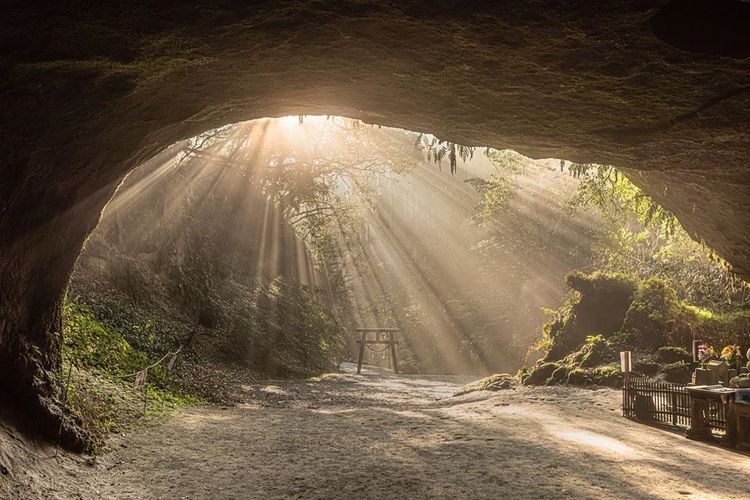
[402,237]
[597,441]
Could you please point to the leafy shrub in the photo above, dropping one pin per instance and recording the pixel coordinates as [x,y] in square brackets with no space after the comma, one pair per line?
[91,345]
[652,317]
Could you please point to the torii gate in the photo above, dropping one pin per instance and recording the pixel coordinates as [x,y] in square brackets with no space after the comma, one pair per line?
[390,341]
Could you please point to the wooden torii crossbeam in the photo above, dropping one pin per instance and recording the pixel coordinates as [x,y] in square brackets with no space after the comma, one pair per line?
[390,340]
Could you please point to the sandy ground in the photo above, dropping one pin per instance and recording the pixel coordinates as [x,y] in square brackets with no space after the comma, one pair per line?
[384,436]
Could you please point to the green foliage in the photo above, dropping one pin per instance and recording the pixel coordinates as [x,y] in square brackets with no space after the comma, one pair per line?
[495,192]
[287,333]
[506,160]
[437,150]
[653,314]
[646,240]
[92,345]
[718,328]
[138,324]
[98,364]
[618,199]
[693,271]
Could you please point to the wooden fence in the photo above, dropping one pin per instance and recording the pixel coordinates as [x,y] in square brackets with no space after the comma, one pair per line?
[663,402]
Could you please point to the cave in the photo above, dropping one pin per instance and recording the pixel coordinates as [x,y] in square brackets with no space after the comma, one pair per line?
[91,90]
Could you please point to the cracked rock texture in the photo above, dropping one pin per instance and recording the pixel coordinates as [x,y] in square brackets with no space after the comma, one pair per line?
[91,89]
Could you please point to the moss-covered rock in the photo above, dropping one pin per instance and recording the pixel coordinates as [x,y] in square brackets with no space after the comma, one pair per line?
[609,375]
[578,376]
[678,372]
[646,367]
[559,376]
[597,306]
[607,313]
[539,374]
[494,382]
[594,351]
[670,354]
[523,374]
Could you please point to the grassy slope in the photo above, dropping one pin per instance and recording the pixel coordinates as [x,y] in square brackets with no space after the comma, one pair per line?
[97,368]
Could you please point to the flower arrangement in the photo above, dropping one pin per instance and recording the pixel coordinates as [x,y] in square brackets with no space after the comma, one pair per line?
[706,353]
[731,355]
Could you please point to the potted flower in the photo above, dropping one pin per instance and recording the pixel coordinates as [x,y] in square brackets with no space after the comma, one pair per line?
[732,357]
[706,353]
[702,375]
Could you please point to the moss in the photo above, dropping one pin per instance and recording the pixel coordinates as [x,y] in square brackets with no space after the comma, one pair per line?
[523,374]
[559,376]
[98,362]
[609,375]
[595,351]
[539,374]
[678,372]
[581,334]
[578,376]
[670,354]
[597,304]
[700,312]
[492,383]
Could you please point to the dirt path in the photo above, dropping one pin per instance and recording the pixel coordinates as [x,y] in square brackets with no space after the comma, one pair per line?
[377,436]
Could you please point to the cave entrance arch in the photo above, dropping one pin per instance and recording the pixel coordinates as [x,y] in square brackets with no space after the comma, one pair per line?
[91,92]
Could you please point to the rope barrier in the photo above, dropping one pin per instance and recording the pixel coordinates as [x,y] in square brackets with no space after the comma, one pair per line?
[386,346]
[153,364]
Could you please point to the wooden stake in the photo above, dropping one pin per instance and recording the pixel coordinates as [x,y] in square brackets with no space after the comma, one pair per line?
[362,341]
[393,352]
